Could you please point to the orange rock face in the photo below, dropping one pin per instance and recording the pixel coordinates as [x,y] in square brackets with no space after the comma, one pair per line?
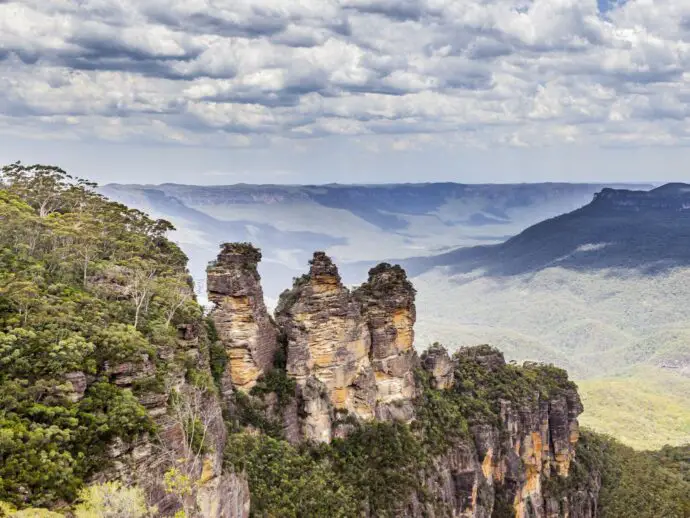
[358,344]
[387,300]
[328,339]
[240,316]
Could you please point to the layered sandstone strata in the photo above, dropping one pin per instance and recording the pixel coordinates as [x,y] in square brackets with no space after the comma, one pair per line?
[506,467]
[327,341]
[218,492]
[387,300]
[243,324]
[436,361]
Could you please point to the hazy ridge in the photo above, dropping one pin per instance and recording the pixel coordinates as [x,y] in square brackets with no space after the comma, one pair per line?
[542,271]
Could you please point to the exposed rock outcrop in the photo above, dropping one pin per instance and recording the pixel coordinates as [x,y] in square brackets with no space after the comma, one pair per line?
[506,469]
[77,385]
[358,344]
[436,361]
[672,197]
[240,316]
[328,342]
[387,300]
[173,400]
[351,355]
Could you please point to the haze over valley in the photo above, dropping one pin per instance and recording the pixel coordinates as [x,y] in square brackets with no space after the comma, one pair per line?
[543,271]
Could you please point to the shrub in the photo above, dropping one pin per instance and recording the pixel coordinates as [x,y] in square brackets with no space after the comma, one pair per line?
[112,500]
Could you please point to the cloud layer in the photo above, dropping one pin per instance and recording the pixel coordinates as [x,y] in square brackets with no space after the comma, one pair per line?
[405,73]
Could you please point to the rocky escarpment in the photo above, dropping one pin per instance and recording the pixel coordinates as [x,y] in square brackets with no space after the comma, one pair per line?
[176,389]
[518,455]
[328,346]
[498,439]
[355,346]
[673,197]
[241,319]
[437,363]
[387,300]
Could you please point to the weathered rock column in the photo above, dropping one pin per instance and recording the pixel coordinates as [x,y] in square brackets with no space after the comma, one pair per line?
[327,340]
[240,316]
[387,300]
[436,361]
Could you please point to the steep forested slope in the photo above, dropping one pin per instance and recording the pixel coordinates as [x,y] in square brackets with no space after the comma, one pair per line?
[92,301]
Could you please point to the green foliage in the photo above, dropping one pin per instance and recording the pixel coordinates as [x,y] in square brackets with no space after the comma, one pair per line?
[85,285]
[177,483]
[278,382]
[483,380]
[646,408]
[253,412]
[382,462]
[280,357]
[245,249]
[288,483]
[503,504]
[219,361]
[194,430]
[218,356]
[105,413]
[211,331]
[440,416]
[28,513]
[112,500]
[258,410]
[377,466]
[638,484]
[675,459]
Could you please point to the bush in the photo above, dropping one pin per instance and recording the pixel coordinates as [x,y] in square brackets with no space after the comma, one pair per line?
[285,482]
[112,500]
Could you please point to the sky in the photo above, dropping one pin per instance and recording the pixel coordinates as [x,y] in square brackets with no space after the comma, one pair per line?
[347,91]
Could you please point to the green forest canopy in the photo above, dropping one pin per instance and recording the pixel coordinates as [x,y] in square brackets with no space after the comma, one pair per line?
[85,283]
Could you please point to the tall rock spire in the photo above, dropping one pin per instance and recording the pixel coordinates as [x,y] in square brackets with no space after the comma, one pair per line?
[328,340]
[240,316]
[387,300]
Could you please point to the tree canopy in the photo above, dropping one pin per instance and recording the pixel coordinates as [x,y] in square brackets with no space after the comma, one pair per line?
[86,284]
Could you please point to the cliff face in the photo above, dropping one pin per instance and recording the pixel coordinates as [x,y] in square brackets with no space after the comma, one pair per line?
[387,300]
[181,394]
[328,340]
[508,467]
[241,319]
[357,345]
[350,355]
[673,197]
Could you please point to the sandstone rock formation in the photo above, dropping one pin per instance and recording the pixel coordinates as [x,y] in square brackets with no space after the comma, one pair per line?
[438,364]
[387,300]
[241,319]
[358,344]
[507,468]
[218,492]
[351,354]
[328,342]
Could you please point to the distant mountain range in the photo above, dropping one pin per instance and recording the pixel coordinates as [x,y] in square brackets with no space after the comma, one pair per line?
[644,230]
[602,290]
[350,222]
